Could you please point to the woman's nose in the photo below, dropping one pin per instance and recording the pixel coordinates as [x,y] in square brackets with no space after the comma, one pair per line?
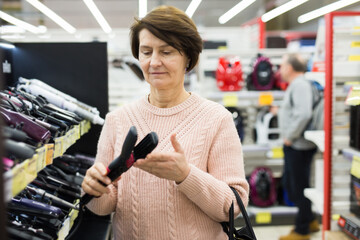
[155,60]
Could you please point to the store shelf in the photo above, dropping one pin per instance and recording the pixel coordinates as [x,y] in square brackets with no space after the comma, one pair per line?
[317,137]
[244,98]
[316,197]
[16,179]
[244,94]
[350,153]
[346,69]
[274,215]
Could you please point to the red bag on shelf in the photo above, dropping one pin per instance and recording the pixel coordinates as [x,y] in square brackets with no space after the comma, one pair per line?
[229,75]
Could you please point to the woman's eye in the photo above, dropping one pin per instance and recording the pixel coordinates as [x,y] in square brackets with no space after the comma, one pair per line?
[146,53]
[166,52]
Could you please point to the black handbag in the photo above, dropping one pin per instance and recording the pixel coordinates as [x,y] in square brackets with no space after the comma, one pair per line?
[246,232]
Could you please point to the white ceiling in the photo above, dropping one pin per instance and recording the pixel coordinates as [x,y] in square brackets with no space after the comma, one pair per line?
[120,13]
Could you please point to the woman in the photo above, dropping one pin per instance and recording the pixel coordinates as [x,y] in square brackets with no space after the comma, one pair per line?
[181,189]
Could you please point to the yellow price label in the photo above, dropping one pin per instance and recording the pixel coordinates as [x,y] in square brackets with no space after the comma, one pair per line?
[58,146]
[263,217]
[73,137]
[354,58]
[77,132]
[355,44]
[353,97]
[82,127]
[335,217]
[87,126]
[19,179]
[277,152]
[31,171]
[355,167]
[66,141]
[49,156]
[230,100]
[73,215]
[352,83]
[265,99]
[41,158]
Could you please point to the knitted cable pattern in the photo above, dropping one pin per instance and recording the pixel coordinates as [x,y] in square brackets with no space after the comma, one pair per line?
[152,208]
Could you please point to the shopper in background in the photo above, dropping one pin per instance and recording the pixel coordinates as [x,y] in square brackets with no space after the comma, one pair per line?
[180,190]
[294,114]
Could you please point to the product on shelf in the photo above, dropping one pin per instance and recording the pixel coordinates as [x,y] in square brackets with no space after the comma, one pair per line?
[350,225]
[59,99]
[355,127]
[262,187]
[262,75]
[229,75]
[267,130]
[238,120]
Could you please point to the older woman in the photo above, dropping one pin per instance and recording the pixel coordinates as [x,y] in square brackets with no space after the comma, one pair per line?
[181,189]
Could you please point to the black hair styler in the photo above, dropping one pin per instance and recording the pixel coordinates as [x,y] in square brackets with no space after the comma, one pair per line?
[127,158]
[121,164]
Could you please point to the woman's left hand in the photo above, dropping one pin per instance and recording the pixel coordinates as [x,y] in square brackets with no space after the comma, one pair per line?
[171,165]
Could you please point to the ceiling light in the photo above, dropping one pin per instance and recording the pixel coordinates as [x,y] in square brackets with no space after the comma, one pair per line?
[98,16]
[281,9]
[6,29]
[324,10]
[235,10]
[12,36]
[52,15]
[192,7]
[7,45]
[19,23]
[142,8]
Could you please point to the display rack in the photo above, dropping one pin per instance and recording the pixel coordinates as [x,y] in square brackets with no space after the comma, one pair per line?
[16,179]
[65,67]
[336,125]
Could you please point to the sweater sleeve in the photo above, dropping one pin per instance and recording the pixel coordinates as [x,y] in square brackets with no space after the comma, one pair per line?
[105,204]
[210,190]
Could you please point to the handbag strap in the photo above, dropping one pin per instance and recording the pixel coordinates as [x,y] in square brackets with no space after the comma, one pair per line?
[245,232]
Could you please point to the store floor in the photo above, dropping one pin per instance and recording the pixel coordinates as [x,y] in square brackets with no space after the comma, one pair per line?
[274,232]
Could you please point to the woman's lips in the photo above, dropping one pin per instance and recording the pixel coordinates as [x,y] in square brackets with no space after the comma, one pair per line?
[157,73]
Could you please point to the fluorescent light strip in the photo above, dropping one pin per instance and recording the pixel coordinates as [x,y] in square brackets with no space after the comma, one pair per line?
[98,16]
[281,9]
[52,15]
[235,10]
[192,7]
[19,23]
[7,45]
[142,8]
[324,10]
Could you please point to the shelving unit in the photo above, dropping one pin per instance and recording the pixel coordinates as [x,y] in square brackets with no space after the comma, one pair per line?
[65,67]
[16,179]
[339,70]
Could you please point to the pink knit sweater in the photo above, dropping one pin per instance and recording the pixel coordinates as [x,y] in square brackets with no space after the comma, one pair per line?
[147,207]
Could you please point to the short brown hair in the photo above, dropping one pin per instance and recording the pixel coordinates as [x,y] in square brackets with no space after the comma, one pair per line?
[174,27]
[296,62]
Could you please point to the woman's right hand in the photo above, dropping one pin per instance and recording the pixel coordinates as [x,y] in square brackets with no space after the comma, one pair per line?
[94,174]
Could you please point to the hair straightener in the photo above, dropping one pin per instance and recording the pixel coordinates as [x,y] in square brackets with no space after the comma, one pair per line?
[51,197]
[37,205]
[126,159]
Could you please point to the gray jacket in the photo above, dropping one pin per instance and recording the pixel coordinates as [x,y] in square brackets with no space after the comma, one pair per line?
[295,113]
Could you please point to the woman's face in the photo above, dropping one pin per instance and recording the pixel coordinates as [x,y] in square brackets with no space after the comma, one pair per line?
[163,66]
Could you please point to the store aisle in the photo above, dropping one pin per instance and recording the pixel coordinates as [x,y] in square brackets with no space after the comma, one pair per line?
[274,232]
